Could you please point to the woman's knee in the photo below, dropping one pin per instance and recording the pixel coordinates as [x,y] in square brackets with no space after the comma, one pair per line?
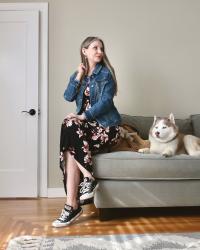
[66,122]
[70,124]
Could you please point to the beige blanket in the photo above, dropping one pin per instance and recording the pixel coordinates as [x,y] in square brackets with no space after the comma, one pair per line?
[129,140]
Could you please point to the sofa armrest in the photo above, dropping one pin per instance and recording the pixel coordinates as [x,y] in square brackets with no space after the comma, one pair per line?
[196,124]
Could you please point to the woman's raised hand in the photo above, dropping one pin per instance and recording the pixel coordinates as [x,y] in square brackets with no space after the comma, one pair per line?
[81,69]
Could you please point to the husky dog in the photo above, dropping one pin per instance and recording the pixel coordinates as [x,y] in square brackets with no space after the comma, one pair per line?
[166,140]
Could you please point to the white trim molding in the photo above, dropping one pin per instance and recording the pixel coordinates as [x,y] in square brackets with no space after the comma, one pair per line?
[43,88]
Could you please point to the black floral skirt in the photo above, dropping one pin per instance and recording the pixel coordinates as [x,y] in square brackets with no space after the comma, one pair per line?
[84,139]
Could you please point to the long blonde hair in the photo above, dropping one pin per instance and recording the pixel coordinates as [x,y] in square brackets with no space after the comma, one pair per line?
[85,44]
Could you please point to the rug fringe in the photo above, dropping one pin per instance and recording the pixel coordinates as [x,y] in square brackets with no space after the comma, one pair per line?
[25,242]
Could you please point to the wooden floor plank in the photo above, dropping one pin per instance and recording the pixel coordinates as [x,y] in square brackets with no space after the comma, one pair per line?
[34,217]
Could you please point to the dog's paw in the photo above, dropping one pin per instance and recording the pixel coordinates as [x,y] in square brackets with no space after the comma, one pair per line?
[167,154]
[144,150]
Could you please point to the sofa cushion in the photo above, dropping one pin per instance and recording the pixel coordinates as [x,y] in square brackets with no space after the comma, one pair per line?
[143,123]
[126,165]
[196,124]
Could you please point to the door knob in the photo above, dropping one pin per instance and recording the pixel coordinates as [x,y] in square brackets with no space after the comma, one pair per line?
[30,112]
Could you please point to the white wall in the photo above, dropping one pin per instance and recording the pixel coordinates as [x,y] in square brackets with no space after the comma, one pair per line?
[152,44]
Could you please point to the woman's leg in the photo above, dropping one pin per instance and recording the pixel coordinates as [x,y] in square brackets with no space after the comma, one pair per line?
[73,169]
[73,180]
[71,209]
[84,171]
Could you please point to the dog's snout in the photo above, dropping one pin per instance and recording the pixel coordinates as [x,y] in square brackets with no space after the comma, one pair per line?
[157,133]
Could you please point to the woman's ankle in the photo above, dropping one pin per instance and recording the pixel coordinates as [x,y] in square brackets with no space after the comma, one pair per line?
[72,204]
[89,176]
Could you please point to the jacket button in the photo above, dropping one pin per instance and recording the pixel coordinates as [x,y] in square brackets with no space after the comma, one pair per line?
[92,86]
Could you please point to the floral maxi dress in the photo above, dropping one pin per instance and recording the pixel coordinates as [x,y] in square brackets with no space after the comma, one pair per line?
[84,139]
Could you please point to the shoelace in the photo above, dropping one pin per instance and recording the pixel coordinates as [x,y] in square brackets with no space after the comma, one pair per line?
[82,184]
[86,187]
[64,215]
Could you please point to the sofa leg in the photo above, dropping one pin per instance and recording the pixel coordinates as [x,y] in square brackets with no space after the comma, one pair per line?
[105,214]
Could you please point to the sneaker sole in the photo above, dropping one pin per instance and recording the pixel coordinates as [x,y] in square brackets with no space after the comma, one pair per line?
[88,196]
[67,223]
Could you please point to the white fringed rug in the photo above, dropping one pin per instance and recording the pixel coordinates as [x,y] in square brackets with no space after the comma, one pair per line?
[165,241]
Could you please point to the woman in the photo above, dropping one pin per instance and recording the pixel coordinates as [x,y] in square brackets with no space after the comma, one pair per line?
[92,128]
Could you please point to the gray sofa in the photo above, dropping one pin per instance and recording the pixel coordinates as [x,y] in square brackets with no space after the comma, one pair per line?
[130,179]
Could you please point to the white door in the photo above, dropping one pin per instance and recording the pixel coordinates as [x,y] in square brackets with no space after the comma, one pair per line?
[19,35]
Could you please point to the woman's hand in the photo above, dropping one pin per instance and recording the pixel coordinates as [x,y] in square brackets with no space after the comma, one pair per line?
[75,116]
[81,69]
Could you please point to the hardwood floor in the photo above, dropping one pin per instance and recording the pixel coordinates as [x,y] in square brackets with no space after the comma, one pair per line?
[34,217]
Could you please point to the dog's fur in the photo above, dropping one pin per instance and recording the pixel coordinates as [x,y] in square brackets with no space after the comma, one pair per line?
[129,140]
[166,140]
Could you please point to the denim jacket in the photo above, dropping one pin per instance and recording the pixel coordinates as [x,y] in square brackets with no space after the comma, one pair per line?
[101,96]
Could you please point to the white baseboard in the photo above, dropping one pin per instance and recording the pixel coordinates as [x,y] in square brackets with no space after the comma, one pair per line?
[56,192]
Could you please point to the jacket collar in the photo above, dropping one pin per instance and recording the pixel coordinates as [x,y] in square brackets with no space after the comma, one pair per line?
[97,68]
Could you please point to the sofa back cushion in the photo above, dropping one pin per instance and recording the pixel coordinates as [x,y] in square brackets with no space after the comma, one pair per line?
[196,124]
[143,123]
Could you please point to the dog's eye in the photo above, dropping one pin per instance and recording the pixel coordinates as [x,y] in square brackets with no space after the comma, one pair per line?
[164,127]
[156,127]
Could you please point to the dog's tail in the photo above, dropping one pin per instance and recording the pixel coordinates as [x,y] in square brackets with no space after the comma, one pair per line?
[192,145]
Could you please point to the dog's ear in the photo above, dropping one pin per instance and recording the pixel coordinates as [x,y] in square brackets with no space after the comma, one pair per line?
[171,118]
[154,119]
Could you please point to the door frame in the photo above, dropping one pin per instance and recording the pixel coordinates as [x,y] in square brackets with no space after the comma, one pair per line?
[42,88]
